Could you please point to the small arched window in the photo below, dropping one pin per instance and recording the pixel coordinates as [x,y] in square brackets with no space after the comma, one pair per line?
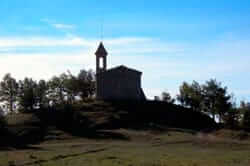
[101,62]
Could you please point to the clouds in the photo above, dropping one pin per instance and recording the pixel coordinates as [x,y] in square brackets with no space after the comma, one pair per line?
[42,65]
[169,46]
[165,64]
[63,26]
[36,41]
[21,56]
[59,26]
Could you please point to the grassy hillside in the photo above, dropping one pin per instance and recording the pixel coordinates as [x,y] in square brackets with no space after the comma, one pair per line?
[127,147]
[86,119]
[127,114]
[120,133]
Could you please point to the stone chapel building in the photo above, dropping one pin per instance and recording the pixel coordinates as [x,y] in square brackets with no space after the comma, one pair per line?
[118,83]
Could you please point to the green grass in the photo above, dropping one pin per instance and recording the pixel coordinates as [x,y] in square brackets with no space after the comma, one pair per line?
[157,146]
[143,148]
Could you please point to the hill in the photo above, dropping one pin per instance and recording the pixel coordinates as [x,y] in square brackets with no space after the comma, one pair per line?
[120,133]
[86,119]
[124,114]
[129,147]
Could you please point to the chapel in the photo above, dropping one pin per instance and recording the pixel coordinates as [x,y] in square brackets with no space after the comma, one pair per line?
[118,83]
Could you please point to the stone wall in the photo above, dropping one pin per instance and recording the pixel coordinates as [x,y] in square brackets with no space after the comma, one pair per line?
[120,84]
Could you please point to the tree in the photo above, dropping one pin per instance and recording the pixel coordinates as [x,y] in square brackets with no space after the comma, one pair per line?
[246,120]
[166,97]
[57,91]
[216,99]
[86,84]
[26,95]
[8,91]
[71,84]
[41,92]
[231,116]
[67,87]
[191,96]
[245,110]
[210,97]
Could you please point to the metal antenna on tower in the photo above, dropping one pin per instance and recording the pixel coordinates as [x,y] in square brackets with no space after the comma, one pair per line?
[102,25]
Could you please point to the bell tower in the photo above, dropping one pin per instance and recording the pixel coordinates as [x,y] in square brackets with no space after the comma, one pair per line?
[101,59]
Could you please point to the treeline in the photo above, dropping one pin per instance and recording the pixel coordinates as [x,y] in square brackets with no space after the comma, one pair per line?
[28,95]
[212,98]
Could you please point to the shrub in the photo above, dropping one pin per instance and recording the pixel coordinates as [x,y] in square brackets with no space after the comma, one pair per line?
[2,123]
[3,129]
[246,120]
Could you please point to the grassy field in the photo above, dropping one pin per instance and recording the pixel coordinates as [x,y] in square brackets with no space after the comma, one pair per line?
[172,147]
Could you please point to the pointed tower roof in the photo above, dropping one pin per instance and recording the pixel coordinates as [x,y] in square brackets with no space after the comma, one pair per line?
[101,51]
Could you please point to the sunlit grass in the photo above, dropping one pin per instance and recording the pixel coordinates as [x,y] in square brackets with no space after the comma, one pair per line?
[144,148]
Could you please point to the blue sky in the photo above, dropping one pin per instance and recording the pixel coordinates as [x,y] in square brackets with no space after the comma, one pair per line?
[170,41]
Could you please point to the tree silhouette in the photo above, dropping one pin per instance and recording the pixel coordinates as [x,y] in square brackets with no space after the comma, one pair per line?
[41,93]
[8,91]
[86,84]
[167,97]
[191,96]
[216,99]
[245,110]
[57,91]
[26,94]
[67,87]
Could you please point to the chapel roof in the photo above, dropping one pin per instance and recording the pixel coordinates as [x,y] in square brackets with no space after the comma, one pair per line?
[123,68]
[101,51]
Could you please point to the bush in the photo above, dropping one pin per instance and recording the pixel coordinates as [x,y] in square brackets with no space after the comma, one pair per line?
[65,117]
[2,123]
[3,132]
[231,118]
[246,120]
